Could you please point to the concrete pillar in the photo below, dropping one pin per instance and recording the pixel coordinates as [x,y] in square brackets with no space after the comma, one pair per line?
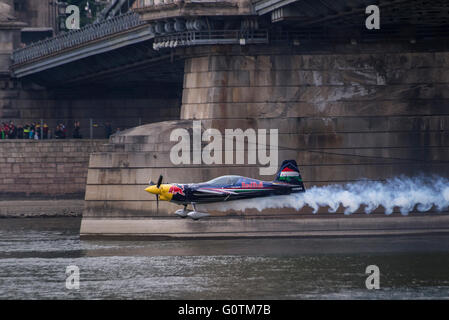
[379,113]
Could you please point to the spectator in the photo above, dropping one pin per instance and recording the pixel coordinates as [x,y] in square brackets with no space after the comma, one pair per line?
[37,129]
[31,133]
[2,131]
[20,132]
[59,132]
[76,131]
[26,131]
[63,130]
[12,131]
[45,131]
[108,129]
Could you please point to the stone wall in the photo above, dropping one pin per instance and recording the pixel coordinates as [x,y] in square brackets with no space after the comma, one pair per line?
[36,13]
[9,35]
[45,168]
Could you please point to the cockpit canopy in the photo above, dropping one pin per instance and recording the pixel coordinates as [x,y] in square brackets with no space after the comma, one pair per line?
[224,180]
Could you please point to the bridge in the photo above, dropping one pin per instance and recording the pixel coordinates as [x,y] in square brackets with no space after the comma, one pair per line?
[348,102]
[153,33]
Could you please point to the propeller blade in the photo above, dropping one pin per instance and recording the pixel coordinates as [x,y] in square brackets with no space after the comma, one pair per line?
[157,203]
[159,182]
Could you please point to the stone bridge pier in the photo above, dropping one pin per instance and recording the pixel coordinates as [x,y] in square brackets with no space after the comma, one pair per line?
[344,113]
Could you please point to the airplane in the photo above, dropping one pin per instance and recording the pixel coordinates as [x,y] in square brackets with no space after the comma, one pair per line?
[227,188]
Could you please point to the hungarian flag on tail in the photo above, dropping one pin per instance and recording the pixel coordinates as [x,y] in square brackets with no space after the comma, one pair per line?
[289,173]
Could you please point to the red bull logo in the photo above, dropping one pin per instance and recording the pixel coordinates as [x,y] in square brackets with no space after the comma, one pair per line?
[252,184]
[174,189]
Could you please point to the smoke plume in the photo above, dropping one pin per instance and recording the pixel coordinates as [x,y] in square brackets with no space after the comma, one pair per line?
[404,193]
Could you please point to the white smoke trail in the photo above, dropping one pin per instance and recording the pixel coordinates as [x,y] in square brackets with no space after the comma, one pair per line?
[406,194]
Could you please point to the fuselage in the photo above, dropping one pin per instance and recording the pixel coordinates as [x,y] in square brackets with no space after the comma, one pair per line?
[225,188]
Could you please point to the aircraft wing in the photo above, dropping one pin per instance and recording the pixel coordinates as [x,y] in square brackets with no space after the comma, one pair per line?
[215,191]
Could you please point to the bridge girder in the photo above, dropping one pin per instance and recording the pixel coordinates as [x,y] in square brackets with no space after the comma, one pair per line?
[129,42]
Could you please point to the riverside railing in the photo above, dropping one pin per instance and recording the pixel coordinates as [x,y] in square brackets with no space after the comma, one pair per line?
[89,128]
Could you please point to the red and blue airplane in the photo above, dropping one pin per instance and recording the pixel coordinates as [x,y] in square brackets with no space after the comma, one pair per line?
[227,188]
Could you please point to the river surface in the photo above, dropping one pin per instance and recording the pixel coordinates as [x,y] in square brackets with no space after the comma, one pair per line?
[35,252]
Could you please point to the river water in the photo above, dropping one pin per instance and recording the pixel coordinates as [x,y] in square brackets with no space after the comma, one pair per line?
[35,252]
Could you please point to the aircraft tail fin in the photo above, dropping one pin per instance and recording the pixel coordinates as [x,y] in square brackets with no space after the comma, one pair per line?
[289,173]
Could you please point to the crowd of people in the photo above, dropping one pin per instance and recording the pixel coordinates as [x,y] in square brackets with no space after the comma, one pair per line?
[35,131]
[38,131]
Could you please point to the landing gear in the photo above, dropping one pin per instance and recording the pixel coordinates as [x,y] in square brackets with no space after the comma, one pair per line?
[195,215]
[182,212]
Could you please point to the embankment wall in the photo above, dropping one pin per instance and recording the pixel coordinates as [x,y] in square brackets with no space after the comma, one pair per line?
[45,168]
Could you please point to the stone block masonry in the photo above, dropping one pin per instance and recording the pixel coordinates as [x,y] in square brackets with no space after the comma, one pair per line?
[49,168]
